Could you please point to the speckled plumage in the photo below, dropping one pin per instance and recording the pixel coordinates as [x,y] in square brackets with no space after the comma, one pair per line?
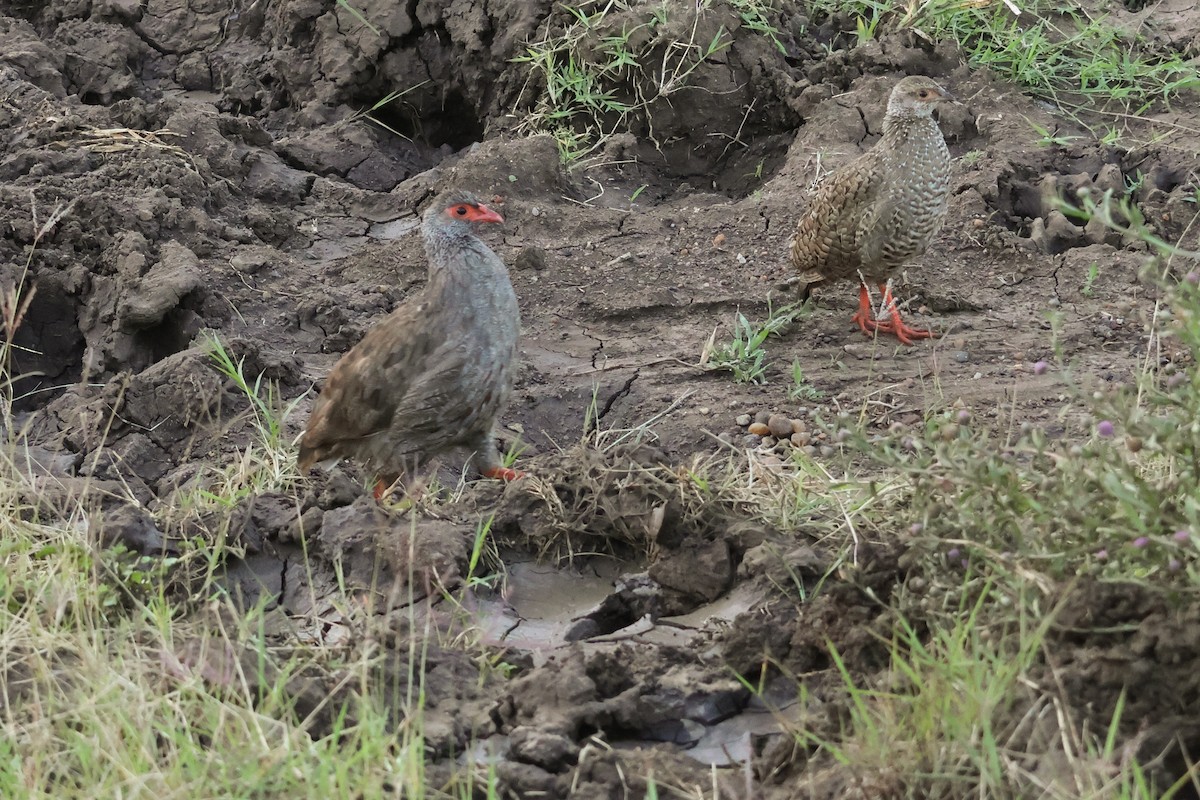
[871,216]
[437,372]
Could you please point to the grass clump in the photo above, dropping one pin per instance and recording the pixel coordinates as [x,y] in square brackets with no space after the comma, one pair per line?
[744,354]
[105,703]
[267,463]
[1058,52]
[963,710]
[604,66]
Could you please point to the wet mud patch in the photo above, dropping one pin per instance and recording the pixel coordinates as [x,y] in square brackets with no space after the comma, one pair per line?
[630,502]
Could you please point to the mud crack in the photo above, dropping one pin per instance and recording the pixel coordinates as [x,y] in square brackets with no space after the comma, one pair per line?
[613,398]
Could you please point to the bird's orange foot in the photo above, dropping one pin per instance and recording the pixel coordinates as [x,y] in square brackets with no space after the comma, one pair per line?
[381,489]
[864,321]
[503,473]
[905,333]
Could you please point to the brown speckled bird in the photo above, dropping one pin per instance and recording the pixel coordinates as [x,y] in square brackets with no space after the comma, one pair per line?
[867,218]
[437,372]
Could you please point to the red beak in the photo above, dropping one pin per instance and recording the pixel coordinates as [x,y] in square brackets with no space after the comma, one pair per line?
[482,213]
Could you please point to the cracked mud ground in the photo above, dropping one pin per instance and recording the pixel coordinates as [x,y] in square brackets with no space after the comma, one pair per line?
[217,182]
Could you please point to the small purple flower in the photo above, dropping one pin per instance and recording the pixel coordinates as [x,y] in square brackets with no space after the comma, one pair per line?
[1040,368]
[1102,555]
[1175,380]
[1182,535]
[1173,565]
[964,416]
[1105,428]
[964,563]
[1193,278]
[1141,542]
[916,528]
[953,554]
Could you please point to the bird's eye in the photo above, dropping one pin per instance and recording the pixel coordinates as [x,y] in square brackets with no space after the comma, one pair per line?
[461,211]
[923,94]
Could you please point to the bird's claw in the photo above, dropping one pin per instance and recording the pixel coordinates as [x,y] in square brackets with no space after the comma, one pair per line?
[896,327]
[905,333]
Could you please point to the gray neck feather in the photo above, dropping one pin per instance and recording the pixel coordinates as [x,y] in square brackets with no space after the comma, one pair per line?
[458,259]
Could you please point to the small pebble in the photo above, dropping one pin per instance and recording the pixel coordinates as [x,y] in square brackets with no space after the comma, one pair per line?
[751,440]
[762,417]
[769,441]
[799,426]
[800,439]
[780,426]
[827,450]
[962,356]
[743,420]
[704,410]
[758,429]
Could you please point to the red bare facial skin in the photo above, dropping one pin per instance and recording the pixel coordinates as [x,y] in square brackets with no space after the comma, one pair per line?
[474,213]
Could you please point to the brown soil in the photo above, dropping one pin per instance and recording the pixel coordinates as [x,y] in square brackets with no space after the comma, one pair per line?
[216,184]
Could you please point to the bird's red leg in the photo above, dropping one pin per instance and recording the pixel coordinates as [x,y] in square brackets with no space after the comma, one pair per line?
[895,325]
[381,487]
[864,318]
[502,473]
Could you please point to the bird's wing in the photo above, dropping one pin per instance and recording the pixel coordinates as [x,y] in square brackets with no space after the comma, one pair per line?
[826,240]
[876,226]
[447,400]
[363,390]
